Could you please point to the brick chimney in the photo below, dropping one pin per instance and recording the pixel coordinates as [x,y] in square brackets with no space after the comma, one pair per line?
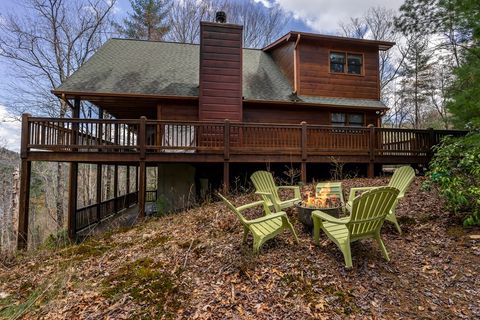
[220,94]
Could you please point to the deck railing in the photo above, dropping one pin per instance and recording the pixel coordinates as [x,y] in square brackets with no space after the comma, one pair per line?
[143,137]
[95,213]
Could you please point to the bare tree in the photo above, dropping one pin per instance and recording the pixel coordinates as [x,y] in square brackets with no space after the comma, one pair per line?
[355,28]
[43,47]
[261,25]
[185,18]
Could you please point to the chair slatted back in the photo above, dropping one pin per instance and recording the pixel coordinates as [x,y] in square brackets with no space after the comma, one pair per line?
[370,209]
[402,178]
[335,189]
[263,182]
[233,208]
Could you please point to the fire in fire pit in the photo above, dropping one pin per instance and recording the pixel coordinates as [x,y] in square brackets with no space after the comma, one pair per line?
[326,201]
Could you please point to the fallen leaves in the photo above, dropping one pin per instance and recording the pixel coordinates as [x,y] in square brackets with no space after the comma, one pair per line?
[434,270]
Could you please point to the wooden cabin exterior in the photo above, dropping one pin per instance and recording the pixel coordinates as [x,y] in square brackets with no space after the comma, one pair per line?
[303,99]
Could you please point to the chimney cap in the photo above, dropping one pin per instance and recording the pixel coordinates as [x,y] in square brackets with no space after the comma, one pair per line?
[221,17]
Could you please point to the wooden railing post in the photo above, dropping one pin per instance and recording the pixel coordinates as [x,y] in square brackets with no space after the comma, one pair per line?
[142,136]
[226,140]
[371,151]
[431,144]
[303,142]
[25,136]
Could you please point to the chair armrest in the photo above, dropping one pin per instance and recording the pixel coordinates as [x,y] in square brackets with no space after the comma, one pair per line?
[261,193]
[324,216]
[251,205]
[296,190]
[271,216]
[353,192]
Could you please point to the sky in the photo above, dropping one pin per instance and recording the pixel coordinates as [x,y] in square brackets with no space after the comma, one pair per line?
[321,16]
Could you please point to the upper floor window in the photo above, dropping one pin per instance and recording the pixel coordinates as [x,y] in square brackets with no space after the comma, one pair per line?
[344,62]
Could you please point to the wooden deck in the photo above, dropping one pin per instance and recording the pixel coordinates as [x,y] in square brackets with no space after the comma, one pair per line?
[127,141]
[140,142]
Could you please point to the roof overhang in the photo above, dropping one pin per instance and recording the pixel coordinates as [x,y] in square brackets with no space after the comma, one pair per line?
[293,35]
[311,104]
[92,95]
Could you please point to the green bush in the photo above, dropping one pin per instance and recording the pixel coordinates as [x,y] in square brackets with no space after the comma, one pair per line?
[455,169]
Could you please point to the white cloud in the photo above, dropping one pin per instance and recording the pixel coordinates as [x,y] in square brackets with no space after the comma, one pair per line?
[10,129]
[324,15]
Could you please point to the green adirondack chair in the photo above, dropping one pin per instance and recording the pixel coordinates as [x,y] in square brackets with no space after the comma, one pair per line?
[401,179]
[365,221]
[268,191]
[263,228]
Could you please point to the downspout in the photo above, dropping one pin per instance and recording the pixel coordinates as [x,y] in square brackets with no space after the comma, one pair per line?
[295,67]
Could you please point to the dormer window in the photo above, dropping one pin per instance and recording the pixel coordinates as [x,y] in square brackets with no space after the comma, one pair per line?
[344,62]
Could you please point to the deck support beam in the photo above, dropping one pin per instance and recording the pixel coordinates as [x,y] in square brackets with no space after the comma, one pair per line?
[142,189]
[24,204]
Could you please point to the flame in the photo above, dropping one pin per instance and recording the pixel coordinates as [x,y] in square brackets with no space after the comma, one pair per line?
[324,199]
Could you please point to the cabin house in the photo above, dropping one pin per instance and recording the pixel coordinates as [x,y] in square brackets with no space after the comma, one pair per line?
[194,110]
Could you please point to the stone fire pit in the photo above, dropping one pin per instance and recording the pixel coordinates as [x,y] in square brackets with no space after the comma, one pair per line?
[325,201]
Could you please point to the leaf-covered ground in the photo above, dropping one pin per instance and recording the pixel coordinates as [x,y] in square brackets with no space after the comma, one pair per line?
[193,265]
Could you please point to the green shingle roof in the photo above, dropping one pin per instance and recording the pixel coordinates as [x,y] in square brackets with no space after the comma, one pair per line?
[172,69]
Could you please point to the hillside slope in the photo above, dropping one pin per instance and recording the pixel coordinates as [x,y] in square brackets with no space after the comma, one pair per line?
[193,265]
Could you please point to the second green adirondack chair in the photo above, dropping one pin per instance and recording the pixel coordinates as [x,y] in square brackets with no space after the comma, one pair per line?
[401,179]
[366,218]
[263,228]
[268,191]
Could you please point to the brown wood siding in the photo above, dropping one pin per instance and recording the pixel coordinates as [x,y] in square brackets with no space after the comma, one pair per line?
[283,57]
[292,114]
[220,72]
[178,111]
[316,79]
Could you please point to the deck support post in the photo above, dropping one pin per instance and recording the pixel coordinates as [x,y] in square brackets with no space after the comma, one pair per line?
[99,190]
[24,201]
[303,172]
[226,177]
[303,140]
[25,173]
[226,156]
[115,188]
[371,152]
[72,200]
[127,189]
[73,177]
[142,189]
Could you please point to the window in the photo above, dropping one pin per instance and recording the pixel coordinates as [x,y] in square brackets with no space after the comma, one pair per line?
[347,119]
[354,64]
[355,119]
[338,119]
[351,65]
[337,62]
